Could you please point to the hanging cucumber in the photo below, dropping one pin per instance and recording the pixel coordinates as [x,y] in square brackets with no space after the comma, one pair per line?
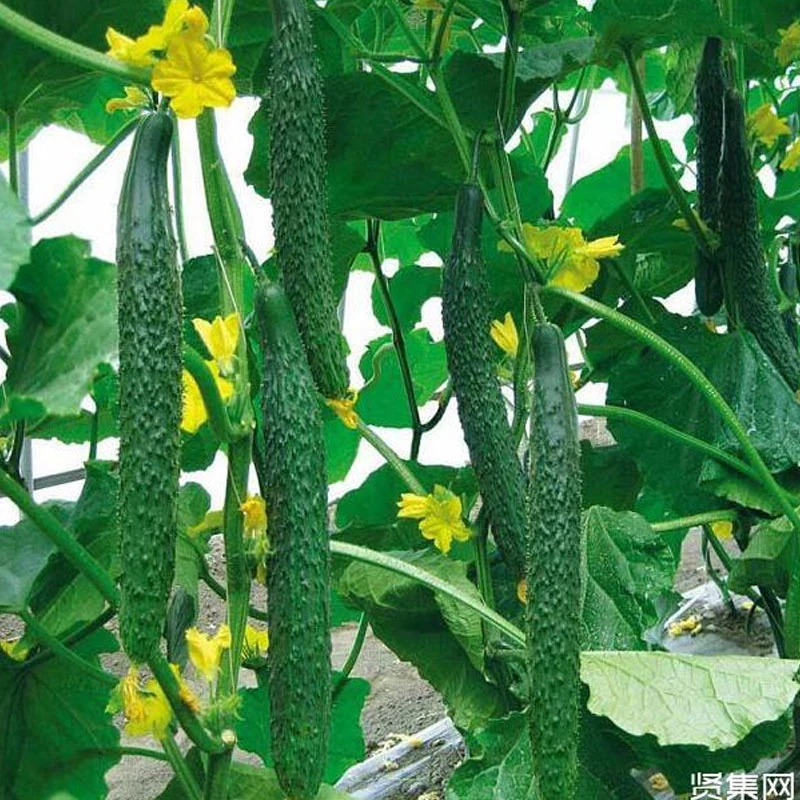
[709,123]
[150,389]
[754,304]
[553,556]
[299,194]
[787,275]
[481,408]
[298,567]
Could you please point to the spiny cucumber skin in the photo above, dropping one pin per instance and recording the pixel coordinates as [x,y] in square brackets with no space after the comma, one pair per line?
[554,584]
[709,124]
[298,567]
[298,171]
[150,389]
[788,279]
[481,408]
[755,306]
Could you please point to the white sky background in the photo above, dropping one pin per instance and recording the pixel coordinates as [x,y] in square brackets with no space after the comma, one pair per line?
[56,155]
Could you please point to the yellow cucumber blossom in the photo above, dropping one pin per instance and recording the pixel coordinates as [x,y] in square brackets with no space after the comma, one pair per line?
[792,158]
[255,514]
[439,514]
[723,529]
[221,338]
[789,48]
[766,126]
[572,262]
[11,647]
[522,590]
[345,409]
[504,334]
[134,98]
[194,409]
[130,51]
[193,75]
[147,710]
[188,697]
[205,652]
[140,52]
[256,643]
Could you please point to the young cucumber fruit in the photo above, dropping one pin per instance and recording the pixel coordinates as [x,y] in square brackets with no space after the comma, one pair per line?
[754,303]
[553,576]
[150,389]
[481,408]
[709,124]
[298,168]
[298,567]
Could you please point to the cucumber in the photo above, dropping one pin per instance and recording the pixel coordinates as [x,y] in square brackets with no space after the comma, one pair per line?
[787,275]
[299,194]
[150,389]
[553,556]
[709,124]
[298,565]
[754,303]
[481,408]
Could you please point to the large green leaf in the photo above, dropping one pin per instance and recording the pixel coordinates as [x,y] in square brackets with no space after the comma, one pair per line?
[346,741]
[711,701]
[409,288]
[766,560]
[609,477]
[65,326]
[56,735]
[629,568]
[16,234]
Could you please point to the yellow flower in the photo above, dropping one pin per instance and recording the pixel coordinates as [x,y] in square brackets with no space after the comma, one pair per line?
[146,710]
[723,529]
[792,158]
[134,98]
[789,48]
[255,514]
[439,515]
[159,36]
[11,647]
[194,76]
[504,334]
[691,625]
[221,338]
[573,263]
[256,642]
[766,126]
[194,409]
[658,782]
[130,51]
[205,651]
[189,698]
[345,409]
[522,590]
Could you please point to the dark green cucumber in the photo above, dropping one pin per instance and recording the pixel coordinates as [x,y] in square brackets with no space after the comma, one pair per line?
[299,194]
[709,124]
[298,566]
[481,408]
[787,275]
[553,556]
[754,303]
[150,389]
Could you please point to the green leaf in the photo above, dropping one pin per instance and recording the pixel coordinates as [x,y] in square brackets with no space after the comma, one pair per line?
[55,727]
[710,701]
[609,477]
[66,326]
[193,504]
[24,551]
[15,232]
[341,445]
[443,640]
[410,288]
[766,560]
[346,743]
[382,400]
[629,567]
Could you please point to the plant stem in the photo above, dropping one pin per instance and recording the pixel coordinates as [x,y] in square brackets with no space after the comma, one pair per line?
[445,396]
[655,425]
[180,768]
[482,562]
[436,584]
[352,656]
[86,172]
[441,30]
[676,190]
[398,340]
[508,77]
[177,191]
[391,458]
[75,553]
[215,406]
[222,592]
[221,20]
[60,650]
[67,50]
[728,416]
[706,518]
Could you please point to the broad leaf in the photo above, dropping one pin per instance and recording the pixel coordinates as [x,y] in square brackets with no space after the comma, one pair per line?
[766,560]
